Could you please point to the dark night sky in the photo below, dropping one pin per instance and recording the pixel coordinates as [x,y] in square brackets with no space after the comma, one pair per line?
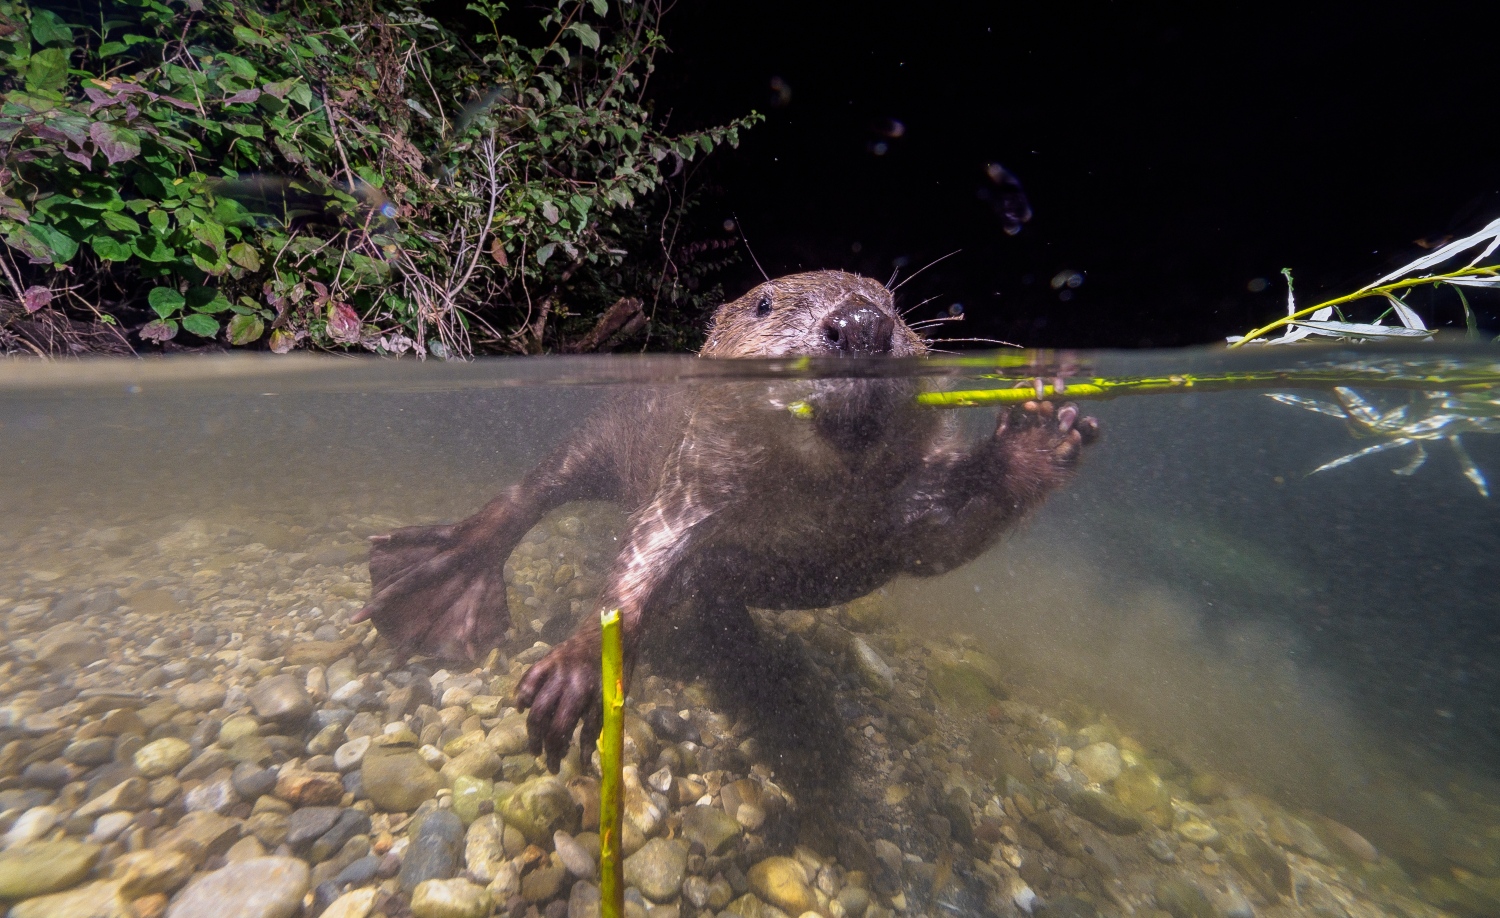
[1170,158]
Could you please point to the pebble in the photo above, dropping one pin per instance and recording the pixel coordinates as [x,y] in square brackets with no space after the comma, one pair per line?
[657,869]
[281,698]
[200,696]
[872,669]
[1106,812]
[351,755]
[782,881]
[32,825]
[710,827]
[357,903]
[101,899]
[263,887]
[450,899]
[397,781]
[433,853]
[162,757]
[42,867]
[541,806]
[305,825]
[1099,762]
[575,857]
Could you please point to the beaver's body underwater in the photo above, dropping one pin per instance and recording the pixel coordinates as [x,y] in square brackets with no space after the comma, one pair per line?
[737,501]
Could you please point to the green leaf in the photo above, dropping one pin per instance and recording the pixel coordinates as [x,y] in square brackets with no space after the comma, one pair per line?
[48,29]
[549,212]
[301,94]
[250,38]
[210,234]
[545,252]
[200,325]
[48,70]
[63,247]
[159,220]
[601,7]
[109,248]
[154,249]
[165,301]
[244,255]
[207,299]
[586,35]
[120,223]
[245,329]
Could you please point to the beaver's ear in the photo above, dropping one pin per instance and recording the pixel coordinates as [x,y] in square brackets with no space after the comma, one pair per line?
[763,305]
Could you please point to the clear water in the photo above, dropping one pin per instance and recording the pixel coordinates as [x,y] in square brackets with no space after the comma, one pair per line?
[1325,645]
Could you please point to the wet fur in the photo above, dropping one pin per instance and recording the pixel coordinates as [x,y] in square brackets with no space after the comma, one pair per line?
[735,501]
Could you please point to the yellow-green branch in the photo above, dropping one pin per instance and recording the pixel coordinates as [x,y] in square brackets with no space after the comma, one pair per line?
[611,765]
[1102,388]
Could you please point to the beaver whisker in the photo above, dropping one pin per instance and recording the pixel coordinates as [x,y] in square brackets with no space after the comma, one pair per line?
[981,340]
[910,309]
[924,268]
[926,323]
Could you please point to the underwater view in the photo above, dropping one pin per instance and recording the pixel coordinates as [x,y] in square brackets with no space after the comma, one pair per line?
[1189,647]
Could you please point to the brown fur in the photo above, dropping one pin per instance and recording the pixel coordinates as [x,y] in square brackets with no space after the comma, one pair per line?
[735,500]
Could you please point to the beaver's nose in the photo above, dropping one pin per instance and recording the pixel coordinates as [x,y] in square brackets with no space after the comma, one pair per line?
[859,328]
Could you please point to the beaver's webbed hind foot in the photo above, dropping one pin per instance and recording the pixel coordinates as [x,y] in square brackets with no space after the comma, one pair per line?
[438,590]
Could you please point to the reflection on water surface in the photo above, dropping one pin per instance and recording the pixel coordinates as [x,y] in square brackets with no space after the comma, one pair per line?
[1200,679]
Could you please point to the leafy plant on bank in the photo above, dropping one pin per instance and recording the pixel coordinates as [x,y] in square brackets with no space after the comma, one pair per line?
[347,173]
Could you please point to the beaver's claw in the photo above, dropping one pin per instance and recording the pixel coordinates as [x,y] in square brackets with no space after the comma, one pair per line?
[437,590]
[1042,441]
[562,689]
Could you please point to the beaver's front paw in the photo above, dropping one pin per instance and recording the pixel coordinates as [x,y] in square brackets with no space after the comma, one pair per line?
[1042,441]
[560,689]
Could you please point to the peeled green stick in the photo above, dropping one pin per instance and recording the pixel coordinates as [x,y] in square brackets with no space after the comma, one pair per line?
[611,764]
[1100,388]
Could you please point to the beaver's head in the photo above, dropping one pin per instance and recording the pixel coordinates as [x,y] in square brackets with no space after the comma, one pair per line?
[817,314]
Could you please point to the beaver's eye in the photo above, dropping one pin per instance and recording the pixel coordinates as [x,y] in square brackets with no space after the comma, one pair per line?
[763,308]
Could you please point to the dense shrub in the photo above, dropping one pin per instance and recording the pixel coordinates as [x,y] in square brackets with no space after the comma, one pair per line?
[346,173]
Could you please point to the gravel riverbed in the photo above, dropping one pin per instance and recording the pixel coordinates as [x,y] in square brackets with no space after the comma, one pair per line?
[191,727]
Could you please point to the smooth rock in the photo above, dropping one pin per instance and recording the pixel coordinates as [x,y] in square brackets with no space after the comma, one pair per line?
[101,899]
[433,853]
[1099,762]
[152,870]
[540,807]
[200,696]
[37,868]
[350,824]
[544,883]
[1183,899]
[216,795]
[873,671]
[264,887]
[782,881]
[281,698]
[350,755]
[1106,812]
[32,825]
[710,826]
[357,903]
[450,899]
[162,757]
[657,869]
[304,826]
[575,857]
[398,781]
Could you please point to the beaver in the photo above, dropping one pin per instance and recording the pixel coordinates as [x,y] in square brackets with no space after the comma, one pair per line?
[772,494]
